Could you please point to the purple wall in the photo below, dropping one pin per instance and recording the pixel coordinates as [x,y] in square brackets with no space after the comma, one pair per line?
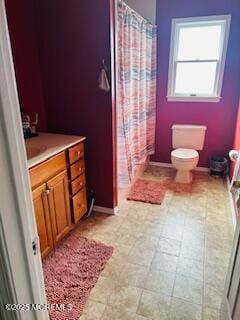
[22,29]
[74,40]
[220,118]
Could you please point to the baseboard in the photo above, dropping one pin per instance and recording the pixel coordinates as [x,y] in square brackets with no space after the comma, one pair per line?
[232,205]
[161,164]
[111,211]
[169,165]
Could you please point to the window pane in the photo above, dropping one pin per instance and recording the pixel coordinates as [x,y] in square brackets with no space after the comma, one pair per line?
[201,43]
[195,78]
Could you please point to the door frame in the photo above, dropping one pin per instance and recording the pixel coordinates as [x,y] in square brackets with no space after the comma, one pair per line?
[20,269]
[226,310]
[113,49]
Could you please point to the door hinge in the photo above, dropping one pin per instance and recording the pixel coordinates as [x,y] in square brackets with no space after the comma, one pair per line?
[35,246]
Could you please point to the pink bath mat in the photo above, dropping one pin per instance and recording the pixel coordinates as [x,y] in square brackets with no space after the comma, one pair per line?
[147,191]
[71,271]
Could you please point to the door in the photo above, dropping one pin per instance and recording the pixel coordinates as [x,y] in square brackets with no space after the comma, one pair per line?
[233,278]
[42,215]
[21,279]
[59,206]
[233,288]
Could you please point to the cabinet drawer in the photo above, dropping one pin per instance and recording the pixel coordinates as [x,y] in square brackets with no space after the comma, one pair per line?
[79,205]
[76,153]
[49,168]
[77,169]
[78,184]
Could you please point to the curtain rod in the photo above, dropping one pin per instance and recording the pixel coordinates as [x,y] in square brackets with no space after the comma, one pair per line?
[137,14]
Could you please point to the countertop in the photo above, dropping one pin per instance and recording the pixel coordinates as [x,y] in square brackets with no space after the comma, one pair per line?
[49,144]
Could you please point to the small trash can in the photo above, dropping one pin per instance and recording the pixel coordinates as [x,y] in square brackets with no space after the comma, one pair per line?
[219,166]
[90,202]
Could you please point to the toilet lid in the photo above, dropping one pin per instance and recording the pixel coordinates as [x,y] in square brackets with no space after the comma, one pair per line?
[184,154]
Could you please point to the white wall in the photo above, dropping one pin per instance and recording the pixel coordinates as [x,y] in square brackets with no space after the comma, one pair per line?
[147,8]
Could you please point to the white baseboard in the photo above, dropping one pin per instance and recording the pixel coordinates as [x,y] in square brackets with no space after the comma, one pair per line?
[161,164]
[201,169]
[232,205]
[111,211]
[169,165]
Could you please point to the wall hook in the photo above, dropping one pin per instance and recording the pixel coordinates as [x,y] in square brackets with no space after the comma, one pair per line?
[104,65]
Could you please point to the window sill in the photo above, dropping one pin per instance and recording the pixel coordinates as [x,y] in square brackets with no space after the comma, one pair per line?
[193,99]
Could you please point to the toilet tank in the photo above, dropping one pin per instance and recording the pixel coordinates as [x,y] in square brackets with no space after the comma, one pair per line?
[188,136]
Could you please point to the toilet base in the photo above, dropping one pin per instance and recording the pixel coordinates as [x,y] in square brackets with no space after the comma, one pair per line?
[183,176]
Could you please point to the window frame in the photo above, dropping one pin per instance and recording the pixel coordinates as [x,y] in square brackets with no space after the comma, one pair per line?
[177,24]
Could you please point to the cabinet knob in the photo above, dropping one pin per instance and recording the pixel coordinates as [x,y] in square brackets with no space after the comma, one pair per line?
[78,153]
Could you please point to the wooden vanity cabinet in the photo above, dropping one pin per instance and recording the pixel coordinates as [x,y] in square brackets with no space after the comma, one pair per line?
[51,201]
[59,195]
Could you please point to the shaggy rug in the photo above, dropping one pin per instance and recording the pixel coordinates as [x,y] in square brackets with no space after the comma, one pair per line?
[71,271]
[147,191]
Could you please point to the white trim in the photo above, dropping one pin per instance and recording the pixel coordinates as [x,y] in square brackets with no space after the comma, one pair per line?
[111,211]
[161,164]
[231,267]
[115,60]
[202,169]
[193,99]
[232,205]
[7,294]
[169,165]
[224,21]
[16,207]
[227,306]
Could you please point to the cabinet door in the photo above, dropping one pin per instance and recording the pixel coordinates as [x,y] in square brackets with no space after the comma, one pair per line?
[59,203]
[42,214]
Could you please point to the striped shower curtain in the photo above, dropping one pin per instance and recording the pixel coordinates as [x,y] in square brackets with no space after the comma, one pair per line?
[136,91]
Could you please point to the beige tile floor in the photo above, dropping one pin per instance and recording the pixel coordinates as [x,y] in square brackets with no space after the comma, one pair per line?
[169,261]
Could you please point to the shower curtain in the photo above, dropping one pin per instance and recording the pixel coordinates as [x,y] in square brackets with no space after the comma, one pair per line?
[136,92]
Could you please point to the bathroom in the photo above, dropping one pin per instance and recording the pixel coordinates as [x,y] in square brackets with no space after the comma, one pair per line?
[58,48]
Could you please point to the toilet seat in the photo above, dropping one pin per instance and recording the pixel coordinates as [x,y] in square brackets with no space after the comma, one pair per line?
[184,155]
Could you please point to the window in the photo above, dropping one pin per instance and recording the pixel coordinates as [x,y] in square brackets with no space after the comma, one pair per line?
[197,58]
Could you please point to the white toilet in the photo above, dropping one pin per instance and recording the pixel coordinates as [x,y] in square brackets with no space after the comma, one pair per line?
[186,140]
